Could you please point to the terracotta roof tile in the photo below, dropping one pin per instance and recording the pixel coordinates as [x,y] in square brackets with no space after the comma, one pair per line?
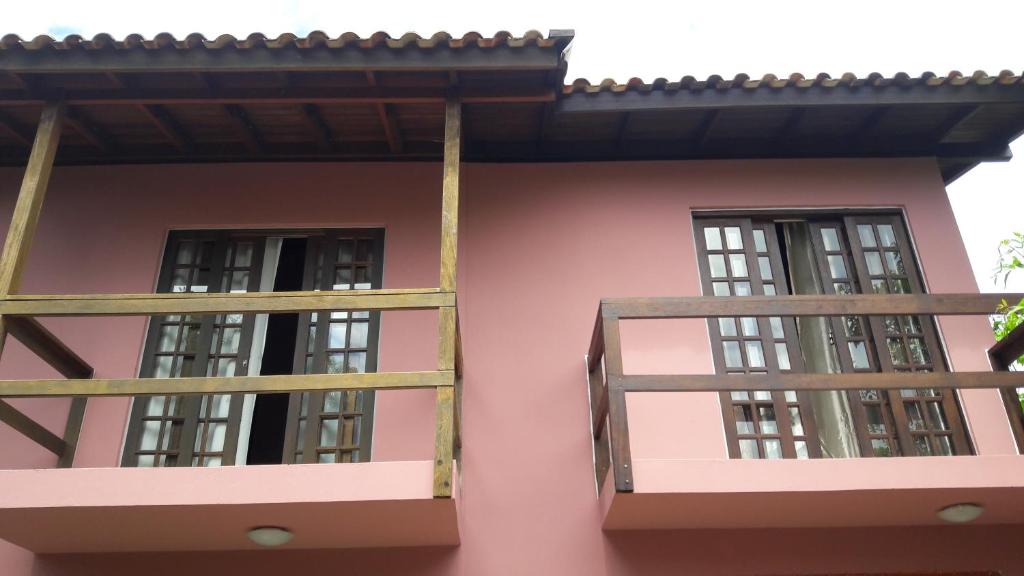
[311,40]
[771,81]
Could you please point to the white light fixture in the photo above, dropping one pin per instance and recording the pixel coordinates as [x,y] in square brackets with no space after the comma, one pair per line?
[961,513]
[270,536]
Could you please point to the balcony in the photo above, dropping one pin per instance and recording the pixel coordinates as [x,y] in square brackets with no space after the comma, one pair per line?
[660,477]
[96,510]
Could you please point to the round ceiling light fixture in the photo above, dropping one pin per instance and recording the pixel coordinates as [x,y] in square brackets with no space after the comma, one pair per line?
[961,513]
[270,536]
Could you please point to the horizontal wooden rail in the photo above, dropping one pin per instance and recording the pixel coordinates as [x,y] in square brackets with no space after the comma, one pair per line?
[1011,347]
[226,384]
[195,303]
[826,305]
[801,381]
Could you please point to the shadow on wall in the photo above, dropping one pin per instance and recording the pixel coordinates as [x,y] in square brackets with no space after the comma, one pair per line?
[961,550]
[377,561]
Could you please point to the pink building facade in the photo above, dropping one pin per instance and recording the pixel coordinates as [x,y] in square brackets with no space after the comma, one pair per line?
[540,245]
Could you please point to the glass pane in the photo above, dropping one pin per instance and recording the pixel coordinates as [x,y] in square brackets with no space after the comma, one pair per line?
[226,367]
[782,353]
[801,449]
[229,340]
[733,358]
[179,281]
[336,363]
[186,251]
[944,446]
[749,326]
[215,436]
[744,420]
[738,262]
[329,432]
[886,235]
[755,354]
[342,279]
[189,338]
[772,449]
[892,325]
[867,237]
[326,458]
[220,405]
[914,417]
[876,424]
[777,330]
[919,352]
[797,423]
[894,263]
[364,251]
[766,416]
[713,238]
[760,243]
[922,446]
[155,406]
[897,351]
[243,254]
[717,264]
[881,447]
[762,395]
[733,238]
[336,335]
[837,267]
[727,326]
[162,366]
[212,461]
[168,338]
[742,288]
[899,285]
[345,251]
[720,288]
[852,326]
[769,289]
[858,355]
[938,416]
[150,435]
[145,461]
[879,287]
[790,396]
[842,288]
[239,281]
[874,261]
[332,401]
[359,332]
[740,396]
[830,239]
[765,266]
[912,324]
[749,450]
[357,362]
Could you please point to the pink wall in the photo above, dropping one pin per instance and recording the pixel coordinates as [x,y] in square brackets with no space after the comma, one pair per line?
[540,245]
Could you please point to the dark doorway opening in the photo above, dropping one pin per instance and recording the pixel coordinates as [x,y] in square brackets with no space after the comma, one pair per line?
[270,414]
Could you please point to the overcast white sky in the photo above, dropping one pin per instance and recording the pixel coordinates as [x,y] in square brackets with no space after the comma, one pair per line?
[650,40]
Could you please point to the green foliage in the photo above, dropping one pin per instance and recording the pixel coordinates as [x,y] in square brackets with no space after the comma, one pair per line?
[1011,259]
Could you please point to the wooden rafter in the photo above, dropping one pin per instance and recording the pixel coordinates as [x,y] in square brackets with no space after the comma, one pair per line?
[245,128]
[88,129]
[701,134]
[388,121]
[167,125]
[318,127]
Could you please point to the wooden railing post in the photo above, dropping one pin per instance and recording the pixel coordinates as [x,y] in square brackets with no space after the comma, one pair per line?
[618,423]
[444,434]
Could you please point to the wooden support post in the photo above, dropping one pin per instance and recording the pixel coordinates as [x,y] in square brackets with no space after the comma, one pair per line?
[30,203]
[450,192]
[444,440]
[72,429]
[444,434]
[618,425]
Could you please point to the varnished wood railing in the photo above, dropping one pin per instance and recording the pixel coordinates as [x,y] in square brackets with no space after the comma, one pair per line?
[609,384]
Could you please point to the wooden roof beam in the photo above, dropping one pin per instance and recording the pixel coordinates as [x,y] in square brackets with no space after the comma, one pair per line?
[245,128]
[318,127]
[954,119]
[15,128]
[701,135]
[167,125]
[387,119]
[82,124]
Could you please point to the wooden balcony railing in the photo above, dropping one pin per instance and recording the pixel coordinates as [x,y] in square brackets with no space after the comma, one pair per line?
[609,384]
[18,313]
